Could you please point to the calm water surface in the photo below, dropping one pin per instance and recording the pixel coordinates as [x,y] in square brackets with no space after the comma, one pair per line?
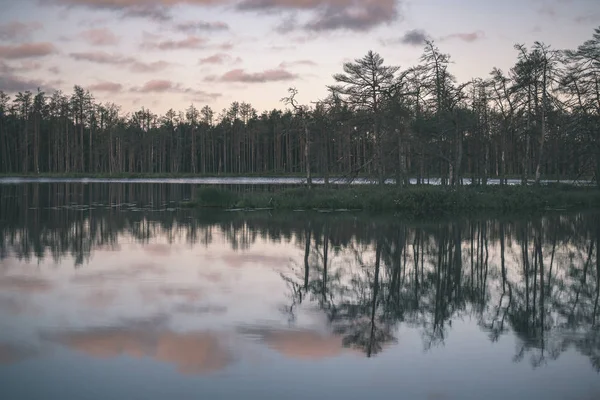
[110,291]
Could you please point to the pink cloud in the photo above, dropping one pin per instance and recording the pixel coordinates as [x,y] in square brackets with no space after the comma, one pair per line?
[154,66]
[111,87]
[270,75]
[100,37]
[17,30]
[191,42]
[157,85]
[219,58]
[27,50]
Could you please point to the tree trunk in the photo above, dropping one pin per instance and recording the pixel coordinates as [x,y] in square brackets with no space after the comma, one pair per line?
[307,154]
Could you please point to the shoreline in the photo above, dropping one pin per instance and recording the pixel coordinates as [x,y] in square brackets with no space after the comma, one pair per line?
[417,200]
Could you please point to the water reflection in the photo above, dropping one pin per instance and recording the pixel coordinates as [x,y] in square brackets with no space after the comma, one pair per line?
[210,293]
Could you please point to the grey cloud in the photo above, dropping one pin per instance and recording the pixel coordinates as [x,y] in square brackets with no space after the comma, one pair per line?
[198,26]
[155,13]
[167,86]
[328,15]
[111,87]
[18,30]
[190,42]
[271,75]
[414,37]
[325,15]
[309,63]
[101,57]
[11,83]
[468,37]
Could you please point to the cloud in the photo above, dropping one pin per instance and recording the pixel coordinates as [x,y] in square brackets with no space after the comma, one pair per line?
[166,86]
[102,57]
[414,37]
[219,58]
[100,37]
[287,25]
[29,65]
[198,26]
[148,11]
[465,37]
[190,42]
[270,75]
[27,50]
[309,63]
[138,66]
[157,85]
[590,18]
[111,87]
[55,70]
[325,15]
[547,10]
[16,30]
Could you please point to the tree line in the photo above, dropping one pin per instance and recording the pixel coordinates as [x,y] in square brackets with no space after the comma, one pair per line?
[540,118]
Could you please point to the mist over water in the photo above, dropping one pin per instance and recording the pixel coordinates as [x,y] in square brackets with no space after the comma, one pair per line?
[110,290]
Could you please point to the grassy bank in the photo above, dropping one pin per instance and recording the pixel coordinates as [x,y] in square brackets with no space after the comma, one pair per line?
[415,200]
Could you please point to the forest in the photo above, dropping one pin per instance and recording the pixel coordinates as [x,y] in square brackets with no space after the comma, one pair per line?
[539,119]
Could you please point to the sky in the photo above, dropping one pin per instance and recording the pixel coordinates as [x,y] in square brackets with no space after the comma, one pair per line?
[162,54]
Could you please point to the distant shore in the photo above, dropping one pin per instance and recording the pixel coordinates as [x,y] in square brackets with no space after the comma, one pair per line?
[282,178]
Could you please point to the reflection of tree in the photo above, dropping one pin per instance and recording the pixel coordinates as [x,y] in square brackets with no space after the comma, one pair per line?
[427,276]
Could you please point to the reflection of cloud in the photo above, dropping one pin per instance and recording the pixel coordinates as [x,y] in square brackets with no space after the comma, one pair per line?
[157,292]
[191,353]
[10,354]
[133,271]
[24,284]
[237,259]
[192,309]
[158,249]
[303,344]
[15,306]
[100,298]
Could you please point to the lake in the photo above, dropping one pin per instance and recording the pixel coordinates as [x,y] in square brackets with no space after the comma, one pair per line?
[110,290]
